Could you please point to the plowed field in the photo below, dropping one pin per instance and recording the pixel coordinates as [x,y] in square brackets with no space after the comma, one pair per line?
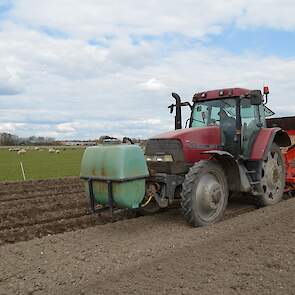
[249,252]
[39,208]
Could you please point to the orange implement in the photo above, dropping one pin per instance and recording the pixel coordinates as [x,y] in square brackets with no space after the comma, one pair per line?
[290,168]
[287,124]
[290,163]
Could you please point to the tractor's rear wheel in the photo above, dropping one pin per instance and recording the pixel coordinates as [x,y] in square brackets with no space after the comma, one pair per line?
[204,193]
[272,177]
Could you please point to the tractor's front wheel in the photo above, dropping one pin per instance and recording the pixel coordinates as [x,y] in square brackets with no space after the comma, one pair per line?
[204,193]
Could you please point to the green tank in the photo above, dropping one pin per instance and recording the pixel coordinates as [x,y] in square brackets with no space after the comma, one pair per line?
[124,165]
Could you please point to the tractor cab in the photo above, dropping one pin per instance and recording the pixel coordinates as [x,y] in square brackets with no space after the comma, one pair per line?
[238,113]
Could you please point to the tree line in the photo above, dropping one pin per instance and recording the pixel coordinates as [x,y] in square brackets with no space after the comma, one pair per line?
[11,139]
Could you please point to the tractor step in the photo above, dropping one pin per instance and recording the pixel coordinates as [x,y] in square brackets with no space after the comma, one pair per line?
[250,171]
[255,182]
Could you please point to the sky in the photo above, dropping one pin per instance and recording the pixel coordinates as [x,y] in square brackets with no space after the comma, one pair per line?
[73,69]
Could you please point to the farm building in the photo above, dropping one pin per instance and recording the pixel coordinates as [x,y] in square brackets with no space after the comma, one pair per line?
[79,142]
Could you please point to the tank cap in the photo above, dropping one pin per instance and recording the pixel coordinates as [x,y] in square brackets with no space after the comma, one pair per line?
[111,141]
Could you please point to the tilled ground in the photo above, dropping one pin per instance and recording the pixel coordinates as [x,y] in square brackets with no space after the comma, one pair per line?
[253,253]
[247,253]
[39,208]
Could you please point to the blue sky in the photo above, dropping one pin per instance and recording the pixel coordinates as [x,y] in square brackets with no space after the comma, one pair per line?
[101,67]
[261,41]
[5,6]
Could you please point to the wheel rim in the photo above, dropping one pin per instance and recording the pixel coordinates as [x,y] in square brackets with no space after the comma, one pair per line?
[272,181]
[210,196]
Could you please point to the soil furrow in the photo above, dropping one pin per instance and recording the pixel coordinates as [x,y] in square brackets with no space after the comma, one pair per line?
[59,207]
[38,194]
[30,186]
[24,204]
[25,220]
[37,210]
[38,188]
[49,227]
[73,221]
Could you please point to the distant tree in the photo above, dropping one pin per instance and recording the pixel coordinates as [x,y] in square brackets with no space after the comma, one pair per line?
[8,139]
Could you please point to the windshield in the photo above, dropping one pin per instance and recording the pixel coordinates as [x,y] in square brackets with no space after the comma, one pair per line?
[209,113]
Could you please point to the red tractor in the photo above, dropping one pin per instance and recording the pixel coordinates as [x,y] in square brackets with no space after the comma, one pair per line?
[225,148]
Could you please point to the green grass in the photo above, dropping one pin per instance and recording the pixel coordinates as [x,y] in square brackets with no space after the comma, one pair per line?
[39,164]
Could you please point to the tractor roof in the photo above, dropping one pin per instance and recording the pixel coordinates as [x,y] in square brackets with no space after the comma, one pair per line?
[220,94]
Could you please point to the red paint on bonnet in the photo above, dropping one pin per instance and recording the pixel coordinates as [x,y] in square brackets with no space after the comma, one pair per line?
[195,141]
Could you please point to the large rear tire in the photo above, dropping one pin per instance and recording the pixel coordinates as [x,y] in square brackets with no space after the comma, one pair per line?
[204,193]
[272,177]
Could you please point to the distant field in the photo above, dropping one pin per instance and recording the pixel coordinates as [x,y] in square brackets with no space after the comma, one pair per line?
[40,164]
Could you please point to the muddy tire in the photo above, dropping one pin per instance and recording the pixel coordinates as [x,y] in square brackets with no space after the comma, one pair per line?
[272,178]
[204,193]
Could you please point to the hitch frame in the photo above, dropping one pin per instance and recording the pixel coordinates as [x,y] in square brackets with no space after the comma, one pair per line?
[109,182]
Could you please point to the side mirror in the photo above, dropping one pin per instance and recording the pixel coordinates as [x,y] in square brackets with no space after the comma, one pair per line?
[256,97]
[171,107]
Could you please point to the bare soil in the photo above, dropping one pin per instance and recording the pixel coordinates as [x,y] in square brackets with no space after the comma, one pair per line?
[38,208]
[250,252]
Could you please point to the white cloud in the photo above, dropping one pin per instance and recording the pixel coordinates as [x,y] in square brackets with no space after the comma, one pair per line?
[66,86]
[65,128]
[153,84]
[93,19]
[10,82]
[277,14]
[10,127]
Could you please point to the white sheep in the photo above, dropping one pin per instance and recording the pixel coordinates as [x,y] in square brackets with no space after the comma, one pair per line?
[57,151]
[51,151]
[21,152]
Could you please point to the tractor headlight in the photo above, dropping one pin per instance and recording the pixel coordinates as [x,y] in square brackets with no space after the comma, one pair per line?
[159,158]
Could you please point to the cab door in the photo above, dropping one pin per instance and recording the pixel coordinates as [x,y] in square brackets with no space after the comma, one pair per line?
[252,121]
